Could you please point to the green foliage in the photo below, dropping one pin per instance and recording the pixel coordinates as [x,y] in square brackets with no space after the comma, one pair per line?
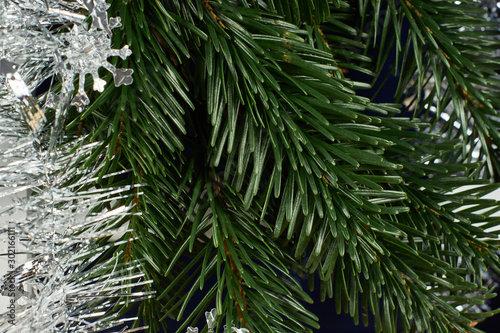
[261,158]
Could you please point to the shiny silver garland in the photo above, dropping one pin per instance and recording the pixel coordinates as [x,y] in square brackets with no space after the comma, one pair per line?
[61,289]
[211,317]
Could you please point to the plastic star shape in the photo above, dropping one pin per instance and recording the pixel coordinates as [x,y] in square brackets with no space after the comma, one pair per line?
[84,53]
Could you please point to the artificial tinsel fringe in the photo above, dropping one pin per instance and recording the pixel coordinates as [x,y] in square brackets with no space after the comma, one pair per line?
[61,289]
[211,317]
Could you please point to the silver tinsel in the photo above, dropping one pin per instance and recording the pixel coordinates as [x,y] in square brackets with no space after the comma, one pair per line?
[67,294]
[49,39]
[61,289]
[211,317]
